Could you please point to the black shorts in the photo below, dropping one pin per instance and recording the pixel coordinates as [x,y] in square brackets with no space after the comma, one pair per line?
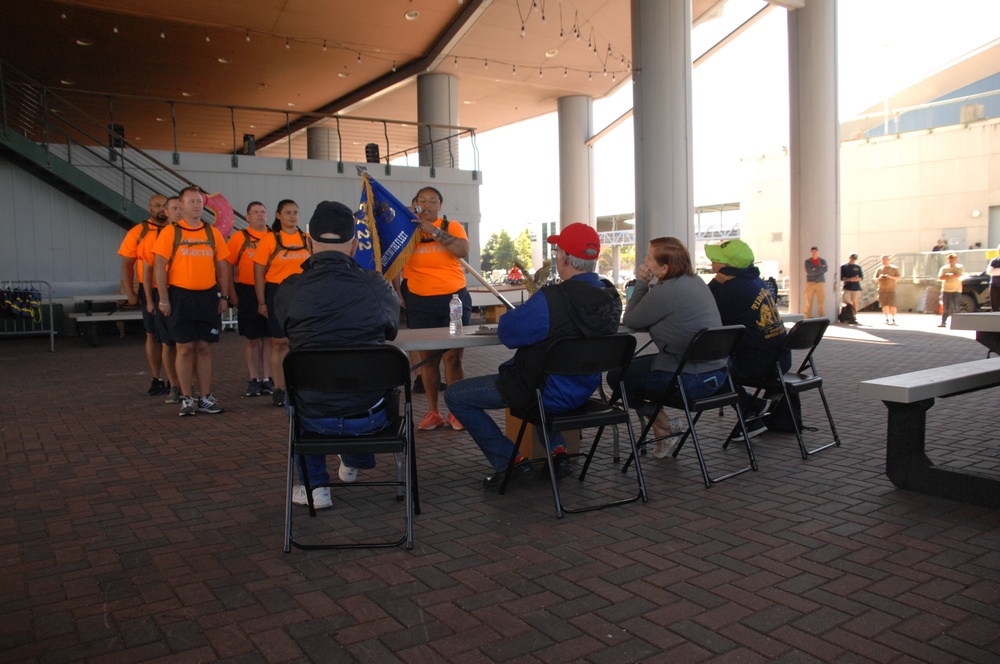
[163,330]
[277,332]
[424,311]
[249,322]
[148,319]
[194,315]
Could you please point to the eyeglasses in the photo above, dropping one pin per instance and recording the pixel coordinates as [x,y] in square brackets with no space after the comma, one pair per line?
[428,201]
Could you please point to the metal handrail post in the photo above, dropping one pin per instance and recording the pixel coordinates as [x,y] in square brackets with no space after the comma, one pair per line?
[173,121]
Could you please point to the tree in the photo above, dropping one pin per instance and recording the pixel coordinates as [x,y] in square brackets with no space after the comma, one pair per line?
[499,253]
[523,247]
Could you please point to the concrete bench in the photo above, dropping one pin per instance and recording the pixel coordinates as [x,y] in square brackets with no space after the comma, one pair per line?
[90,320]
[908,397]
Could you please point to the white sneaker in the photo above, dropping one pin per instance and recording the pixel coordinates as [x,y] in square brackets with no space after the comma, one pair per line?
[346,473]
[665,448]
[321,497]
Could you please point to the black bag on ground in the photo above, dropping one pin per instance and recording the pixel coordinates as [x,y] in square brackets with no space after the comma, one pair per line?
[848,314]
[781,416]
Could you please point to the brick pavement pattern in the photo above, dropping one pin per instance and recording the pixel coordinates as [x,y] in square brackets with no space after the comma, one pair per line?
[130,534]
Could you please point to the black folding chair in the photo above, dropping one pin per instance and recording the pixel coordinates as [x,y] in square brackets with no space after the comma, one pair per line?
[710,344]
[580,357]
[344,370]
[804,335]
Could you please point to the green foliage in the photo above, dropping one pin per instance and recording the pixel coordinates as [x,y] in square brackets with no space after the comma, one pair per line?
[501,251]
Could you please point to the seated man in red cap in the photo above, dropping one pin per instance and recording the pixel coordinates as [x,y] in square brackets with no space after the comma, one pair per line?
[581,305]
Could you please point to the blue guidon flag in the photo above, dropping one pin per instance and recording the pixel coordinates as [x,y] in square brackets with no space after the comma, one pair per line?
[385,229]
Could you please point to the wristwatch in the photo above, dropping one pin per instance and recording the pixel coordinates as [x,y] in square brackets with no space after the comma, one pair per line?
[223,297]
[436,233]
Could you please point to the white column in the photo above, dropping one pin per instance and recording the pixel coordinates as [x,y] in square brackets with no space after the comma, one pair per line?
[322,143]
[661,84]
[437,104]
[576,161]
[813,148]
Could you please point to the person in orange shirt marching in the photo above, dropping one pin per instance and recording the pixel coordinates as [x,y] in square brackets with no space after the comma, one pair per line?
[279,255]
[132,267]
[242,248]
[190,258]
[168,353]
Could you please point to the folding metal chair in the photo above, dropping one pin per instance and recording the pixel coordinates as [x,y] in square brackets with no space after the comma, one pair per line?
[708,345]
[805,335]
[580,357]
[343,370]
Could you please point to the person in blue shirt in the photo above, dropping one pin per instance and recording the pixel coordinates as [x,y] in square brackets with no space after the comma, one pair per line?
[581,305]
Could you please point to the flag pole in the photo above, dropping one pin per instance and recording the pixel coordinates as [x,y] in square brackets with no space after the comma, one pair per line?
[471,270]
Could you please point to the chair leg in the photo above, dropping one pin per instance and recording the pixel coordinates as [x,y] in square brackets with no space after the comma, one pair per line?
[593,448]
[552,470]
[640,445]
[288,502]
[513,457]
[397,457]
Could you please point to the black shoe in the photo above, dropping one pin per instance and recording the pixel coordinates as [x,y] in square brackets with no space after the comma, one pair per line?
[519,473]
[267,386]
[157,388]
[278,397]
[253,388]
[418,385]
[562,465]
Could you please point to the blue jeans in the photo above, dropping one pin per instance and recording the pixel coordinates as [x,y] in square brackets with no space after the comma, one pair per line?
[468,400]
[340,426]
[641,377]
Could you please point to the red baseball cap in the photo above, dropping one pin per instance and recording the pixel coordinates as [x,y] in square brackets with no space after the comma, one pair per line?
[578,240]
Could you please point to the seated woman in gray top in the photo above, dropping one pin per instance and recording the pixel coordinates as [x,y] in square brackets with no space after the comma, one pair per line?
[673,304]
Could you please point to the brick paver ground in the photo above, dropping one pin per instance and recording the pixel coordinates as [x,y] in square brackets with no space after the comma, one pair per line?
[130,534]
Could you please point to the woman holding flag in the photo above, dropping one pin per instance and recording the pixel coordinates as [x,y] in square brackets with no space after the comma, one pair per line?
[431,276]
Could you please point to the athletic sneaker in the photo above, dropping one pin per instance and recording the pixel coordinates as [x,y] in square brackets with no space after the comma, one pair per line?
[455,424]
[278,397]
[175,395]
[253,388]
[432,420]
[346,473]
[157,387]
[208,404]
[321,497]
[267,386]
[188,406]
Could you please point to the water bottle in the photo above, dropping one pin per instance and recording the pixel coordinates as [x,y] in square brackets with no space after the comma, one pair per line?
[455,315]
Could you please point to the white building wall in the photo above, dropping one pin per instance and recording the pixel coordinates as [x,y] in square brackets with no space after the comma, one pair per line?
[899,194]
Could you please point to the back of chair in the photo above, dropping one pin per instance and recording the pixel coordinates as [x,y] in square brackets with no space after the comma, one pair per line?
[369,368]
[581,357]
[807,333]
[711,344]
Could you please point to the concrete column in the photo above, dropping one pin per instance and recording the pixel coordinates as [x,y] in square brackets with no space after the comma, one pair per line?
[437,104]
[813,148]
[576,161]
[322,143]
[661,84]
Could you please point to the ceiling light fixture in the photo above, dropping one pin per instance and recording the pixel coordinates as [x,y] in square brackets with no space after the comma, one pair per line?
[291,103]
[412,15]
[84,42]
[344,74]
[552,52]
[225,61]
[187,94]
[66,82]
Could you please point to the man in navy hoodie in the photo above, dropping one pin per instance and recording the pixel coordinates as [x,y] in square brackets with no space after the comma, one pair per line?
[744,299]
[581,305]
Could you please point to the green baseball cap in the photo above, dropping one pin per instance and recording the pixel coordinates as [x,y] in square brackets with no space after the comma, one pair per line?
[732,252]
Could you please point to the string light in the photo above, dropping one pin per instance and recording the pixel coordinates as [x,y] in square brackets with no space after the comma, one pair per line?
[565,72]
[513,70]
[486,64]
[590,76]
[63,15]
[539,72]
[163,35]
[613,79]
[115,29]
[394,65]
[359,57]
[456,61]
[522,30]
[324,46]
[248,36]
[207,38]
[288,44]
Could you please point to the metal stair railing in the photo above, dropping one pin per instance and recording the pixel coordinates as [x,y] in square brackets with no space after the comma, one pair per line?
[62,134]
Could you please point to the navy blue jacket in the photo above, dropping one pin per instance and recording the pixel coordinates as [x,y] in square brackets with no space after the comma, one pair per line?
[744,299]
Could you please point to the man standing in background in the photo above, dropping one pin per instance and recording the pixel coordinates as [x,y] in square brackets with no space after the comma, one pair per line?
[815,282]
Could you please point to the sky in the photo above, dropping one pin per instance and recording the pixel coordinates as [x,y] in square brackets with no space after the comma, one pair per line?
[740,104]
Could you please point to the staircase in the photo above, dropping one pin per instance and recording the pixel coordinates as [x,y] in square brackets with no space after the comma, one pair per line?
[869,289]
[62,145]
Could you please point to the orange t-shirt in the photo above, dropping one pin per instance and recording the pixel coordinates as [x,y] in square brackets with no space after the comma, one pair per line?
[237,241]
[145,249]
[432,269]
[130,245]
[287,261]
[194,265]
